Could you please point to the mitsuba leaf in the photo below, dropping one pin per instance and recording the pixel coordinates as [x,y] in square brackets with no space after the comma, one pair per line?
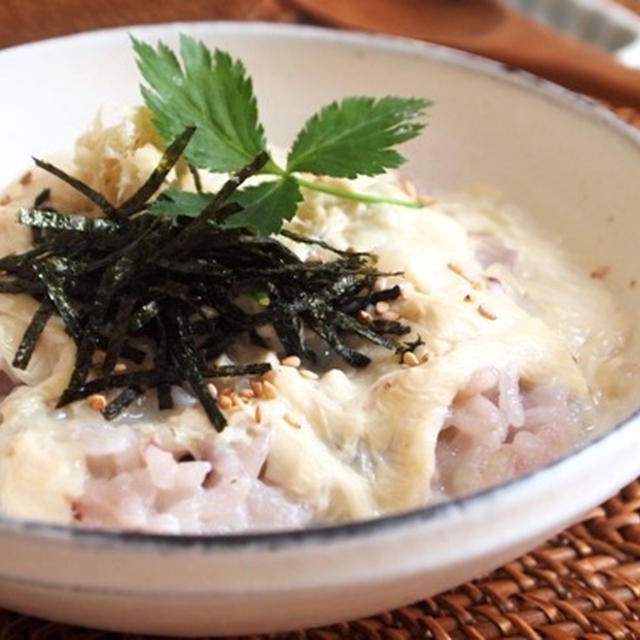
[266,206]
[354,136]
[212,93]
[173,202]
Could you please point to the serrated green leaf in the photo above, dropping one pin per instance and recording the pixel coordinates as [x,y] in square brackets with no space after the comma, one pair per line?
[173,203]
[354,136]
[213,94]
[266,206]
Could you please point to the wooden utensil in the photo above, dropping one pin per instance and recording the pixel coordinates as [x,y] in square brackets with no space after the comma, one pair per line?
[494,30]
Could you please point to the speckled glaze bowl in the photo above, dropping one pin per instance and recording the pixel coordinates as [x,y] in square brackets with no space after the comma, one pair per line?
[566,160]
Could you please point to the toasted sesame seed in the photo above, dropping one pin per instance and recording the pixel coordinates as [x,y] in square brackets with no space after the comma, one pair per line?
[426,201]
[309,375]
[26,179]
[364,316]
[410,189]
[258,414]
[213,390]
[390,316]
[269,376]
[382,307]
[247,394]
[600,272]
[291,361]
[410,359]
[120,367]
[6,199]
[424,358]
[236,400]
[457,269]
[227,391]
[97,401]
[292,421]
[486,313]
[270,391]
[256,387]
[225,402]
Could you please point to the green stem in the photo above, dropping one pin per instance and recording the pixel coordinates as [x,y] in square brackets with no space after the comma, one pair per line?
[354,195]
[272,168]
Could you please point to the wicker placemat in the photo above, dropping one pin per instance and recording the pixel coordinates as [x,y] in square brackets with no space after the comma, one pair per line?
[584,583]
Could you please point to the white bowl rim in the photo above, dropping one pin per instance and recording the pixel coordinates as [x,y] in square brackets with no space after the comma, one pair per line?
[284,540]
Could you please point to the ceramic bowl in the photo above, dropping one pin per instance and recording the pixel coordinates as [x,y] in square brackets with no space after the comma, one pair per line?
[564,159]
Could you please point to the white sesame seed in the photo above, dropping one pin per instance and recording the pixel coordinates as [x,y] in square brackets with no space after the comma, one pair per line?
[380,284]
[247,394]
[292,421]
[291,361]
[120,367]
[390,316]
[213,390]
[382,307]
[364,316]
[309,375]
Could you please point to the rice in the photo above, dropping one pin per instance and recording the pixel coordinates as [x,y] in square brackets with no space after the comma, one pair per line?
[520,360]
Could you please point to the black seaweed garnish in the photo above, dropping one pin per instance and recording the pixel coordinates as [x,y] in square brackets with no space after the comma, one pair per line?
[152,301]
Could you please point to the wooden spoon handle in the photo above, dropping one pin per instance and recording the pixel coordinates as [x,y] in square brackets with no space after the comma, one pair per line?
[523,43]
[491,29]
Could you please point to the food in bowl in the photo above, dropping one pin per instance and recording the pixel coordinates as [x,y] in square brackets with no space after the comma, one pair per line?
[405,350]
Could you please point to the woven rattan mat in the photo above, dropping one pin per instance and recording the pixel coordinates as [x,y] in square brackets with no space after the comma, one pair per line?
[584,583]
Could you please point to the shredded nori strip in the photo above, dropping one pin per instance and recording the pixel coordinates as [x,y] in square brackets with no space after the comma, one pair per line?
[31,335]
[121,402]
[172,153]
[107,208]
[152,301]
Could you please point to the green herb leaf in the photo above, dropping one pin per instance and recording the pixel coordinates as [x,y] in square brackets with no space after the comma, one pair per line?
[213,94]
[266,206]
[354,137]
[172,202]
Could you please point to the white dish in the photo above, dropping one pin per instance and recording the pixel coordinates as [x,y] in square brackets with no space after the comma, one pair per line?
[561,157]
[603,23]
